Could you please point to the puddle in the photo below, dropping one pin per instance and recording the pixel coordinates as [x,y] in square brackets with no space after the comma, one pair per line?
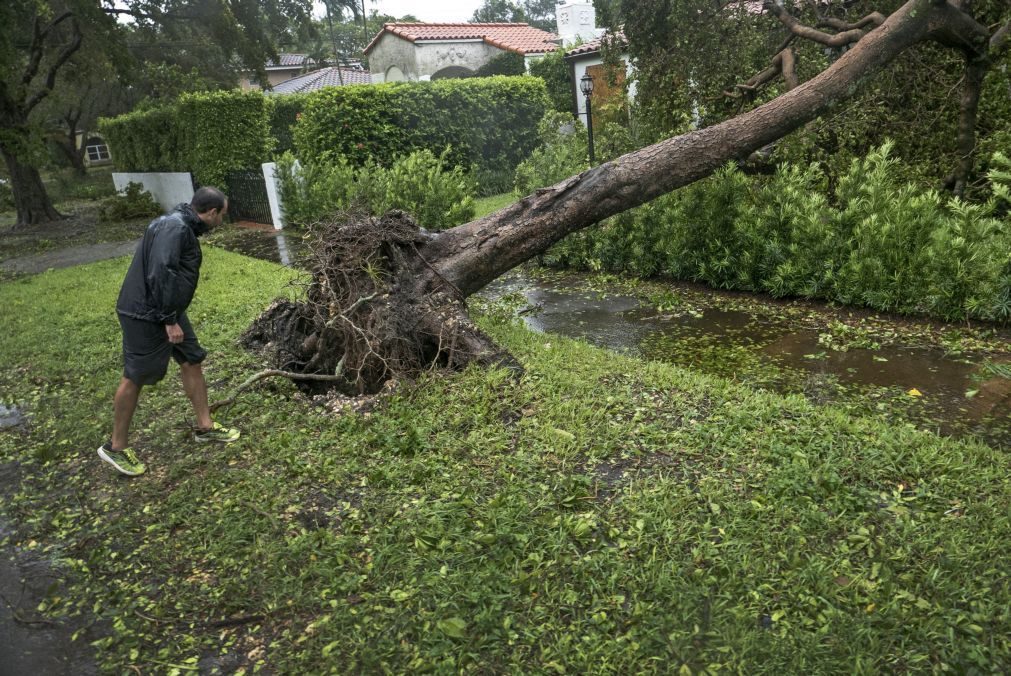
[268,245]
[10,416]
[954,396]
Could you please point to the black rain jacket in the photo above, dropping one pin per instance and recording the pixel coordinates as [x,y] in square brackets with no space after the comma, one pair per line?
[163,276]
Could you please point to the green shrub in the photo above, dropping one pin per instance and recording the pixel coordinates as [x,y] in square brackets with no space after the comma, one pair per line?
[509,63]
[145,140]
[557,78]
[286,110]
[562,153]
[418,183]
[490,123]
[133,202]
[206,133]
[877,242]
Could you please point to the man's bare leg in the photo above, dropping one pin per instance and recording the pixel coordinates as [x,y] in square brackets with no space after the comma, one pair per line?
[196,390]
[124,404]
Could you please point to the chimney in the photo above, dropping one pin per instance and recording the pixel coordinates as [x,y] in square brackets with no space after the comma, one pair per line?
[577,22]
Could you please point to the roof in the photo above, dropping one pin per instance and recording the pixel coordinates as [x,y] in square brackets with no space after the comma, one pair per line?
[324,77]
[593,46]
[521,38]
[289,60]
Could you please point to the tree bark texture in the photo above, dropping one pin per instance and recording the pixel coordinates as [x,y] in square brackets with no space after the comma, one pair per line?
[30,197]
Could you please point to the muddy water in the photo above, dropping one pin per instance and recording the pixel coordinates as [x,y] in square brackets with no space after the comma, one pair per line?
[956,396]
[950,395]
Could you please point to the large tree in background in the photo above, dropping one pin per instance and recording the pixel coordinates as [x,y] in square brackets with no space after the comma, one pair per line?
[538,13]
[386,297]
[40,38]
[703,62]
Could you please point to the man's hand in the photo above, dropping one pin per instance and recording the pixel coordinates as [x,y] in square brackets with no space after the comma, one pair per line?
[175,333]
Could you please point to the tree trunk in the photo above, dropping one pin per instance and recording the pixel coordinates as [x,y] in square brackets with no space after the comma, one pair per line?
[408,310]
[30,197]
[472,255]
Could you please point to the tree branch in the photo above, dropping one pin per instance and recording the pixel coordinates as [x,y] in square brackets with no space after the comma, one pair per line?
[851,34]
[36,49]
[999,41]
[64,55]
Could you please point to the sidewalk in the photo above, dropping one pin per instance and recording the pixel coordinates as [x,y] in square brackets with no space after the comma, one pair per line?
[65,258]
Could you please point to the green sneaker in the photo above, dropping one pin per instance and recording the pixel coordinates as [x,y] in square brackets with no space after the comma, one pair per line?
[124,461]
[218,433]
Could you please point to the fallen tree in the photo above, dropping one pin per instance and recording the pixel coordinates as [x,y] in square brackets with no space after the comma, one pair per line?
[387,297]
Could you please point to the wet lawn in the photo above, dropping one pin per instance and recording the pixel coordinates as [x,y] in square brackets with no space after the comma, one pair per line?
[599,514]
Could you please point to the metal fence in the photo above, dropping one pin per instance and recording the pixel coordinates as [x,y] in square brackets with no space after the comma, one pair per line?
[247,196]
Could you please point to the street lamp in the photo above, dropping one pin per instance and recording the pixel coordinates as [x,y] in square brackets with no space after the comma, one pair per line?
[586,86]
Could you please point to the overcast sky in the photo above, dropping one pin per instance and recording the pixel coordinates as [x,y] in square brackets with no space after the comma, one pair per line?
[427,10]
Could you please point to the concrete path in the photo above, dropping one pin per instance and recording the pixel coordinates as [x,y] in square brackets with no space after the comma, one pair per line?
[65,258]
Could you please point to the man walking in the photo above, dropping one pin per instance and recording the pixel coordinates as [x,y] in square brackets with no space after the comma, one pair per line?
[152,313]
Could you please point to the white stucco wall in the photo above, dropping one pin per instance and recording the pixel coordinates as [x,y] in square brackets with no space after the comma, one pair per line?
[168,188]
[419,61]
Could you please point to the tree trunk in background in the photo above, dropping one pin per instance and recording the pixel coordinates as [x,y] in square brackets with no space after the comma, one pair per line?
[30,197]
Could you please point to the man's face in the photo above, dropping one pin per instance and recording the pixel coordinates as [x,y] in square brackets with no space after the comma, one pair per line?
[214,217]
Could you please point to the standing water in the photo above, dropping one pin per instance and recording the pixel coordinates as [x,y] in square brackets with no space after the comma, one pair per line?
[967,394]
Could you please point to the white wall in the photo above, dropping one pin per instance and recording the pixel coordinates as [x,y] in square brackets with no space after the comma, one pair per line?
[168,188]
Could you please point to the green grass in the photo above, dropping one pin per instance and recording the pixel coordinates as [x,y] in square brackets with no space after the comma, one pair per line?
[599,514]
[487,205]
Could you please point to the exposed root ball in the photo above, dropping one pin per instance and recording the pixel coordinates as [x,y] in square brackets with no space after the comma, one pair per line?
[374,309]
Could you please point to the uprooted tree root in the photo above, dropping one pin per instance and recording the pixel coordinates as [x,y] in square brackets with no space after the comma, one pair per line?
[373,310]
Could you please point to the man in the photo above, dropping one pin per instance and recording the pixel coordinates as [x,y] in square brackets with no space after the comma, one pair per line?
[152,313]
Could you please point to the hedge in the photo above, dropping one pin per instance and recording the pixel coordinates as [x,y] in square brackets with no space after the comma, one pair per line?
[206,133]
[490,123]
[283,116]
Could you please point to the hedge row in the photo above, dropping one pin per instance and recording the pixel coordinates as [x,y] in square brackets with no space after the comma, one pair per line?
[489,123]
[206,133]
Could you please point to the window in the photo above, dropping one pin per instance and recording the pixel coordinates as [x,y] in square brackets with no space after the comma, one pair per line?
[97,152]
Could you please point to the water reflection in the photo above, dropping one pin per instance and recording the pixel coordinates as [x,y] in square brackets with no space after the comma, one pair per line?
[920,385]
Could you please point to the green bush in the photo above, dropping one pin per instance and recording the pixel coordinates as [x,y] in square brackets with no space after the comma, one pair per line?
[557,78]
[509,63]
[206,133]
[133,202]
[145,140]
[284,114]
[876,242]
[489,123]
[562,153]
[419,184]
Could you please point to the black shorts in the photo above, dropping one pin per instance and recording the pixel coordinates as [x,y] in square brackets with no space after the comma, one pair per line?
[146,349]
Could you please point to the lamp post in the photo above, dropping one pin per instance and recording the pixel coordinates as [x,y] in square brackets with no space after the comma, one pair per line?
[586,86]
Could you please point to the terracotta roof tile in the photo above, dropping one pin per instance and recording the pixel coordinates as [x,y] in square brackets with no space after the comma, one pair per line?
[324,77]
[593,46]
[513,37]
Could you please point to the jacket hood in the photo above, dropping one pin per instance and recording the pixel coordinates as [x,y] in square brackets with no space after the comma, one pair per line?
[191,219]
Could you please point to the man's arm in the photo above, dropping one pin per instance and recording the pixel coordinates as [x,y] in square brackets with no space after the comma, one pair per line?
[163,278]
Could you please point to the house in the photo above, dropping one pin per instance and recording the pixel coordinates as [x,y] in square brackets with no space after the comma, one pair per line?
[287,67]
[430,51]
[96,151]
[331,76]
[587,59]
